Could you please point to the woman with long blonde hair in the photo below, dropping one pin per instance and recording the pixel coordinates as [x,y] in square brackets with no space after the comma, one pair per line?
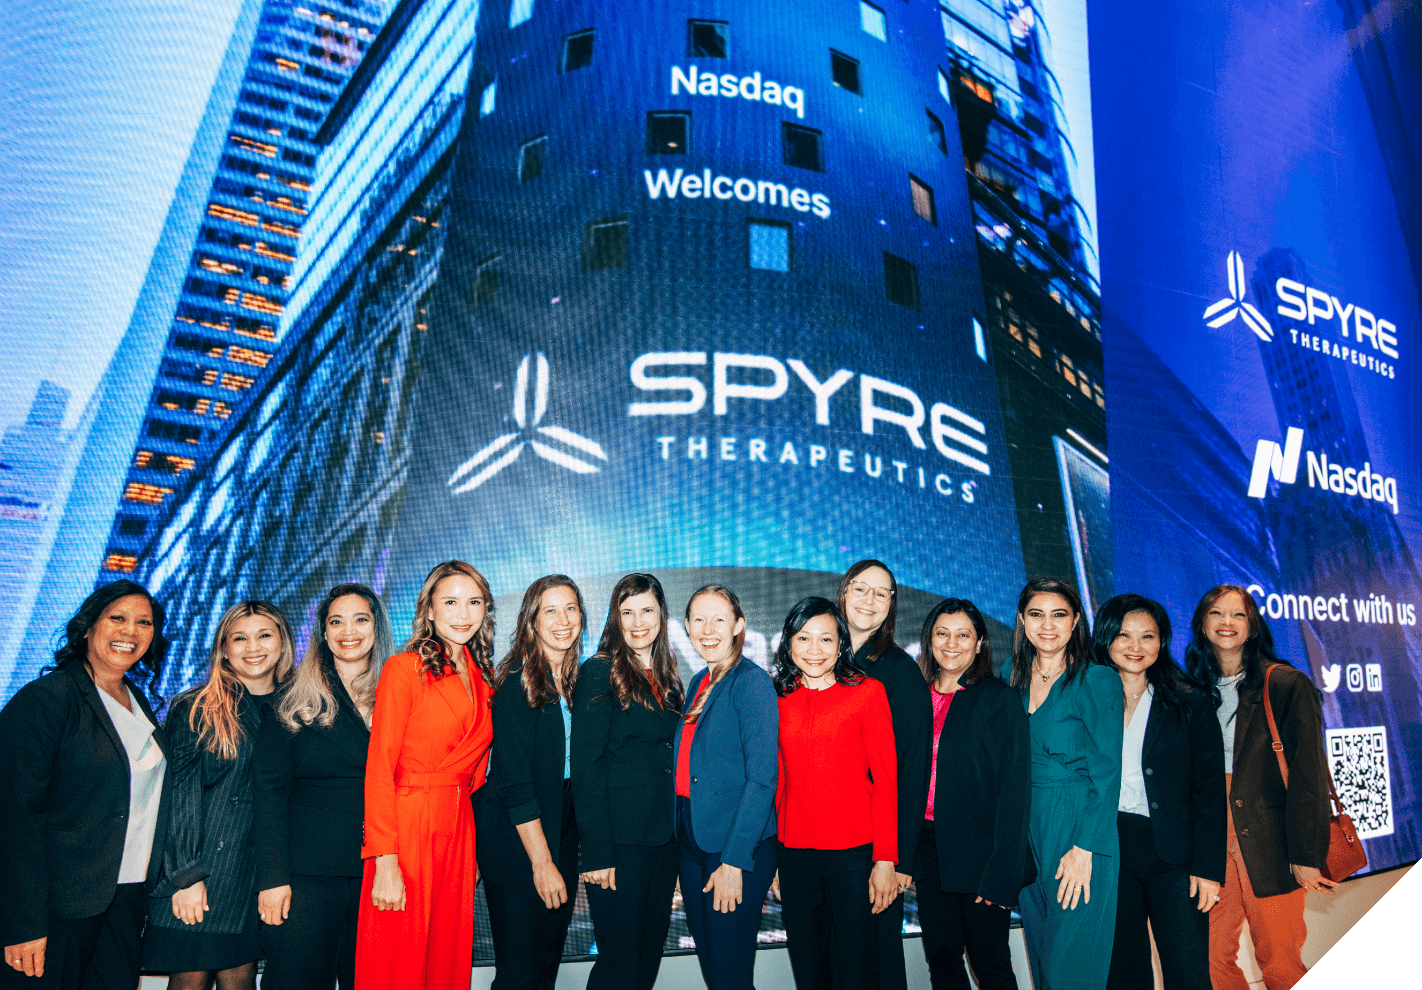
[203,918]
[429,748]
[308,795]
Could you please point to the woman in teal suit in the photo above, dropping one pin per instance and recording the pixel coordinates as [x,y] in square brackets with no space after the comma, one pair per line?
[1076,718]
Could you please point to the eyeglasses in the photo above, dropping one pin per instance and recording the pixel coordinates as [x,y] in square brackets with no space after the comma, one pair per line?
[859,590]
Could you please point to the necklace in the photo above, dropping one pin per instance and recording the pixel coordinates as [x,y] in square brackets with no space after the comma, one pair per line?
[1045,675]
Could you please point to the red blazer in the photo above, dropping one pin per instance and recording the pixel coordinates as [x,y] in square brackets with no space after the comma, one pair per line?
[838,770]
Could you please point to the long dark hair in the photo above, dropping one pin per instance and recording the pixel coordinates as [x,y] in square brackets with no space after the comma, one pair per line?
[1078,648]
[713,677]
[787,675]
[883,639]
[1200,660]
[526,653]
[426,642]
[982,663]
[1165,676]
[625,677]
[75,647]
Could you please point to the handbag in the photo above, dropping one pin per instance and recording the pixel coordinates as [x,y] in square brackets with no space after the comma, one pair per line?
[1345,851]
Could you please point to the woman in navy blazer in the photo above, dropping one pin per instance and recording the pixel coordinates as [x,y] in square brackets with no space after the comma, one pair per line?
[726,774]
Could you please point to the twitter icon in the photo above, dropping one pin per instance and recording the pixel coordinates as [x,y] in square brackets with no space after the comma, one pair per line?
[1331,677]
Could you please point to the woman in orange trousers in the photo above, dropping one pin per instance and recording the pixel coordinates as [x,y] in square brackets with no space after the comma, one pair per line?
[429,747]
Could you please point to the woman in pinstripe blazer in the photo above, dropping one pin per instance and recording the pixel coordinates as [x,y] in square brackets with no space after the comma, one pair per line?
[203,915]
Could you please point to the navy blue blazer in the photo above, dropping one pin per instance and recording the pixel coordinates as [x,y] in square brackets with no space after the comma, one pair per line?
[734,764]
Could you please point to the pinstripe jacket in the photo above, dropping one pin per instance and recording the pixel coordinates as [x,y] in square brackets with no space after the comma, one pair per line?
[210,824]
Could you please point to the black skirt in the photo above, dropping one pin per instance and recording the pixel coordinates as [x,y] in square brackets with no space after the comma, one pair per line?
[178,950]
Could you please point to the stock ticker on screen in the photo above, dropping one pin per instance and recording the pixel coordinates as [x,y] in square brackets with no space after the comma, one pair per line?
[594,287]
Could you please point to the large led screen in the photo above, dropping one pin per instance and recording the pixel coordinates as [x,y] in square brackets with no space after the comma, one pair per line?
[985,289]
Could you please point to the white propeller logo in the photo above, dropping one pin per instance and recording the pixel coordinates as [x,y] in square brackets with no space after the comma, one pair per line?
[1235,305]
[526,424]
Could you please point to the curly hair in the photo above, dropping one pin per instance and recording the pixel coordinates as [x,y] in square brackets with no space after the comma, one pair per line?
[74,649]
[1078,647]
[982,663]
[434,661]
[527,655]
[625,677]
[787,676]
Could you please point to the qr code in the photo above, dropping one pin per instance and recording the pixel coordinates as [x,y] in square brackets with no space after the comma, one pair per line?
[1358,760]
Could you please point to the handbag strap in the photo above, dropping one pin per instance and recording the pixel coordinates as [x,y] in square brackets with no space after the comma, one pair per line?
[1279,747]
[1274,731]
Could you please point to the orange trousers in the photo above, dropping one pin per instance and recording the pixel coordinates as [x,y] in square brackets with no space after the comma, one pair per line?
[430,944]
[1276,926]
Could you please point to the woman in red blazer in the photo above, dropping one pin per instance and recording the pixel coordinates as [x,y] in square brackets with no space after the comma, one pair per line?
[429,747]
[837,807]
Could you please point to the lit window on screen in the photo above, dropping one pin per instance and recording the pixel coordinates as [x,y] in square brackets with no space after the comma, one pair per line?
[577,51]
[943,86]
[769,245]
[871,18]
[923,200]
[486,99]
[520,11]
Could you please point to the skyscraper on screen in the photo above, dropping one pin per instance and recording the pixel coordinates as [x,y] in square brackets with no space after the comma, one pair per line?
[238,273]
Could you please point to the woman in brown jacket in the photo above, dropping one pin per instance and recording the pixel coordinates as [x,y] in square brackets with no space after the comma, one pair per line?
[1277,837]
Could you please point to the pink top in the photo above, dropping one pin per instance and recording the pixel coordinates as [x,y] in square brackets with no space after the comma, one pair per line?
[940,713]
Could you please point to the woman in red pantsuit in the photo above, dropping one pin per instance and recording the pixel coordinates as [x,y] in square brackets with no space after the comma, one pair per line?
[429,747]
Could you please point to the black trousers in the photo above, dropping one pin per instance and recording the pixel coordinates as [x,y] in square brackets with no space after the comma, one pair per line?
[314,948]
[104,952]
[528,938]
[631,922]
[892,974]
[953,922]
[725,943]
[830,930]
[1152,888]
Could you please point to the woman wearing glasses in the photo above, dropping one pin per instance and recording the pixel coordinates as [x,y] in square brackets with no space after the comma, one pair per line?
[868,600]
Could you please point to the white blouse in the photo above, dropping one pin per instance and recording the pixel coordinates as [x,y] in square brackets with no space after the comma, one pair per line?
[1133,790]
[145,787]
[1228,709]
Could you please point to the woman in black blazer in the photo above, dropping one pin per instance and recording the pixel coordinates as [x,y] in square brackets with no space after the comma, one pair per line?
[527,832]
[83,799]
[202,919]
[973,857]
[308,795]
[1171,816]
[626,706]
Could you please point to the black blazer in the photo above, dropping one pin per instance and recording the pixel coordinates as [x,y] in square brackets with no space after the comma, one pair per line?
[308,794]
[64,794]
[525,784]
[982,798]
[911,707]
[1275,825]
[210,824]
[622,769]
[1183,761]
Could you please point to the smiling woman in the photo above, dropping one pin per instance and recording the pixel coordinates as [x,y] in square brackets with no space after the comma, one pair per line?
[203,915]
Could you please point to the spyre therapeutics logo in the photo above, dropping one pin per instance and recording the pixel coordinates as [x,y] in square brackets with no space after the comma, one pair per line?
[528,434]
[1234,305]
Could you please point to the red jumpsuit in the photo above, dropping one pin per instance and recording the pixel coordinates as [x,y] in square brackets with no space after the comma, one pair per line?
[429,747]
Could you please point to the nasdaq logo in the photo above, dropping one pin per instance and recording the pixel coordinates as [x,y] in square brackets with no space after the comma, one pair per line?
[528,433]
[1282,464]
[1234,305]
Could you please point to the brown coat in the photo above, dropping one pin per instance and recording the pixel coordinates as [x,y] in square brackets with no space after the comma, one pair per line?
[1276,827]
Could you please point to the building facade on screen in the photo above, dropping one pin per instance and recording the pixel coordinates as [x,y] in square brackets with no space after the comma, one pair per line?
[238,275]
[307,477]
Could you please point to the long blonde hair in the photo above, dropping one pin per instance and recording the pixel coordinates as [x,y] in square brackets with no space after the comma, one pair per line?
[213,715]
[713,677]
[426,642]
[310,699]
